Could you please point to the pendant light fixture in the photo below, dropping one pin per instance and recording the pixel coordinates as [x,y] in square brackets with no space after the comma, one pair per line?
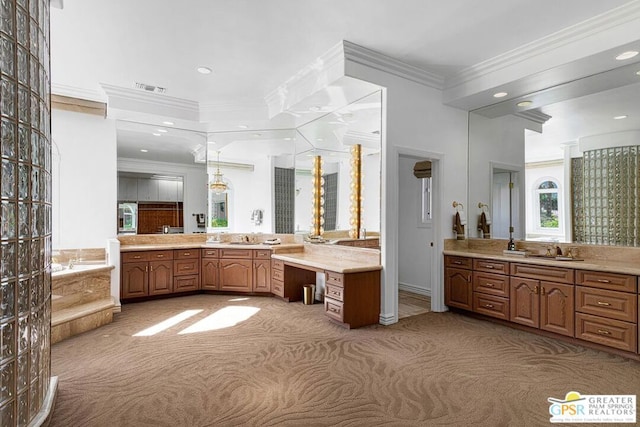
[218,185]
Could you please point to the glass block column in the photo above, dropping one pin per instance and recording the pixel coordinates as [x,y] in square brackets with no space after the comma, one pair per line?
[25,217]
[611,188]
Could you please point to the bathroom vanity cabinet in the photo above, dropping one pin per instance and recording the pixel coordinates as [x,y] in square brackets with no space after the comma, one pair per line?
[596,306]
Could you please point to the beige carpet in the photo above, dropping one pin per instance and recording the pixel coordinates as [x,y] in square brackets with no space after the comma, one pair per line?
[411,304]
[288,365]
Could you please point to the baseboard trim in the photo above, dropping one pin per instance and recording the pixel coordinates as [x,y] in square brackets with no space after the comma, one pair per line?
[414,289]
[43,417]
[388,319]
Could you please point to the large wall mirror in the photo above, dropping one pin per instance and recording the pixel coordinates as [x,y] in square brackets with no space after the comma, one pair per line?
[575,149]
[267,173]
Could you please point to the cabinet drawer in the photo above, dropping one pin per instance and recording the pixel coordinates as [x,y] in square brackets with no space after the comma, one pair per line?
[611,304]
[457,261]
[333,292]
[186,266]
[335,278]
[186,283]
[277,287]
[552,274]
[209,253]
[186,253]
[492,284]
[261,254]
[277,274]
[160,255]
[135,256]
[491,266]
[609,332]
[490,305]
[333,309]
[235,253]
[613,281]
[277,264]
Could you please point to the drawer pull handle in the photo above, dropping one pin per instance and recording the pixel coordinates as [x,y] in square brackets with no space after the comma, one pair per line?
[136,257]
[160,256]
[603,332]
[334,310]
[187,253]
[604,281]
[457,262]
[186,268]
[491,285]
[490,266]
[488,305]
[606,304]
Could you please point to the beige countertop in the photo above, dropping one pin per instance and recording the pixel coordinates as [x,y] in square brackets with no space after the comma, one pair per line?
[327,262]
[197,245]
[587,264]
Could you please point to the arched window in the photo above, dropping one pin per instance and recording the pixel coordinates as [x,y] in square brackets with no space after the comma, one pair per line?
[548,213]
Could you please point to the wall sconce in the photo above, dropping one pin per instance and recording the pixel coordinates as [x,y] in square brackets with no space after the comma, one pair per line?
[356,190]
[317,220]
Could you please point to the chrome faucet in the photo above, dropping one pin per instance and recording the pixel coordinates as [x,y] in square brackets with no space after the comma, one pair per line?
[72,262]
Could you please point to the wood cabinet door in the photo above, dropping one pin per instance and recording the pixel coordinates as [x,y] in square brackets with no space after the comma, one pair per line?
[457,288]
[557,308]
[209,274]
[262,275]
[524,302]
[135,280]
[160,277]
[235,275]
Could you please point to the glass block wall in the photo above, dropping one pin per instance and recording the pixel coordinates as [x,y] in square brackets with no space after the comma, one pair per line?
[25,199]
[610,197]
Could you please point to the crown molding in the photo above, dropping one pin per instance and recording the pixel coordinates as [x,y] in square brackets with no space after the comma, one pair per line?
[128,164]
[378,61]
[310,79]
[357,137]
[77,92]
[152,103]
[535,116]
[605,21]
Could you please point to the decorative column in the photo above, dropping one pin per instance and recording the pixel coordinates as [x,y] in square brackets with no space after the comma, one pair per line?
[317,220]
[356,191]
[25,203]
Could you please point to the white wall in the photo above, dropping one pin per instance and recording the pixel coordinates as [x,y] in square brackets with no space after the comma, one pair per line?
[84,180]
[194,185]
[414,274]
[414,118]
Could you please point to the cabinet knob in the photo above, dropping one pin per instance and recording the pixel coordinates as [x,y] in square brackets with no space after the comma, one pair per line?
[535,289]
[606,304]
[542,291]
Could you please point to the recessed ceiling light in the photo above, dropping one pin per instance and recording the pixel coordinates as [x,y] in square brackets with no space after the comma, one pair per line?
[168,123]
[524,103]
[288,138]
[638,73]
[204,70]
[211,142]
[257,134]
[319,139]
[243,126]
[627,55]
[156,134]
[620,117]
[142,150]
[162,130]
[500,94]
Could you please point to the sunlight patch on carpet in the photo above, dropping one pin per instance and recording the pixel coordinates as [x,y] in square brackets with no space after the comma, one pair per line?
[221,319]
[166,324]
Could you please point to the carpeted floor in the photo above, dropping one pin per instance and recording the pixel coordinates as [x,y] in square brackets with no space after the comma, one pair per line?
[288,365]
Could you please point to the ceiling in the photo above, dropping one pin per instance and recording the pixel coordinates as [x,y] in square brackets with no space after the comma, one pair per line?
[253,46]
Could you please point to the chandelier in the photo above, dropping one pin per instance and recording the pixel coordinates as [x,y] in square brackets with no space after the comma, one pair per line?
[218,185]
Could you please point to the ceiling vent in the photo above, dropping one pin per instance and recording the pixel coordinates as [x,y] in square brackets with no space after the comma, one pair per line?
[150,88]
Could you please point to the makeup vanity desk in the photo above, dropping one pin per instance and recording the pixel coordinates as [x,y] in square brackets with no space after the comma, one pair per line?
[352,280]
